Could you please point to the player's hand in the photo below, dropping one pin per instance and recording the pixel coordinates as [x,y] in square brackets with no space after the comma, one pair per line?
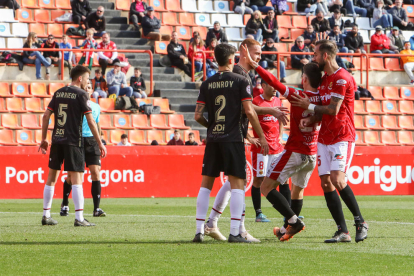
[265,146]
[281,113]
[305,122]
[248,59]
[253,141]
[102,148]
[302,102]
[43,146]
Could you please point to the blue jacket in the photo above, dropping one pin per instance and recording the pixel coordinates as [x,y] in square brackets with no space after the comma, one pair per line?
[339,39]
[296,58]
[412,42]
[311,36]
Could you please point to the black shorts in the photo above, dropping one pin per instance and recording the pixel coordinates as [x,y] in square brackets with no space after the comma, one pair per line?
[72,156]
[229,158]
[92,152]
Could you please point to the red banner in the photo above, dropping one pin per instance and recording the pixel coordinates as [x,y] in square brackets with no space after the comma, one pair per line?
[175,171]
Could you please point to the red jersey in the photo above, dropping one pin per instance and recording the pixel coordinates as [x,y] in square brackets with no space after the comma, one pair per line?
[110,46]
[269,124]
[339,128]
[257,92]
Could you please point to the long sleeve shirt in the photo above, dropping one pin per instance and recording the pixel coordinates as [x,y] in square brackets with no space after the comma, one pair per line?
[377,40]
[398,14]
[113,79]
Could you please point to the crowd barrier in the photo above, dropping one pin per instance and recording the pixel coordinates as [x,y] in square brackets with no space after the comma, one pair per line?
[175,171]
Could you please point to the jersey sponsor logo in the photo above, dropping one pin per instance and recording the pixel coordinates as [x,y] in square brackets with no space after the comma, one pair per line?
[249,176]
[269,119]
[339,156]
[341,82]
[326,97]
[330,86]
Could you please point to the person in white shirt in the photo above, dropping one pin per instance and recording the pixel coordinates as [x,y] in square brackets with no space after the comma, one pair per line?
[124,141]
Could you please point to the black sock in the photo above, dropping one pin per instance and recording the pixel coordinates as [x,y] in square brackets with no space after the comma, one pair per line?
[335,207]
[67,188]
[296,206]
[96,194]
[349,198]
[285,191]
[280,203]
[257,200]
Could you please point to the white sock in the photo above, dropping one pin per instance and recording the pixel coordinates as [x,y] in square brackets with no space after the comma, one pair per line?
[78,200]
[236,209]
[47,199]
[283,230]
[220,203]
[242,228]
[293,219]
[202,208]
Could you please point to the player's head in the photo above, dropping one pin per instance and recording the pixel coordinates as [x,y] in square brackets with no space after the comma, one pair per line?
[80,76]
[268,90]
[325,51]
[224,54]
[311,76]
[254,47]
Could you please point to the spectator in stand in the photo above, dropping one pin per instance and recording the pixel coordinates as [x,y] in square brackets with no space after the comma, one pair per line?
[381,16]
[310,37]
[260,5]
[380,43]
[242,7]
[88,43]
[399,16]
[322,6]
[51,57]
[369,5]
[218,33]
[280,6]
[351,9]
[136,13]
[177,55]
[137,83]
[211,59]
[258,90]
[336,36]
[336,5]
[336,19]
[255,26]
[81,9]
[154,143]
[298,61]
[320,24]
[67,56]
[124,141]
[117,83]
[354,41]
[176,140]
[271,28]
[195,51]
[100,89]
[96,21]
[151,26]
[106,58]
[195,33]
[396,39]
[412,42]
[34,57]
[408,60]
[307,6]
[191,140]
[269,61]
[103,138]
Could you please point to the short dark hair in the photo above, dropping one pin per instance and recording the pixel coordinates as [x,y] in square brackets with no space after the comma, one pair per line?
[313,73]
[327,46]
[191,133]
[355,25]
[318,11]
[137,68]
[154,143]
[123,136]
[98,71]
[78,71]
[222,52]
[335,26]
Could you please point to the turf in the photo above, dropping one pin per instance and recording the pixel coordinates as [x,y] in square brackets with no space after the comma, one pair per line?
[152,237]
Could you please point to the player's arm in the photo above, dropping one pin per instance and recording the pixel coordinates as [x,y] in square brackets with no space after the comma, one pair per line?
[252,140]
[331,109]
[96,135]
[198,115]
[45,124]
[278,112]
[280,131]
[254,120]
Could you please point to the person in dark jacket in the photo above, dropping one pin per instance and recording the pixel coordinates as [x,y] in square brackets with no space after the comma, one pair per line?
[81,9]
[336,36]
[336,19]
[369,5]
[191,140]
[151,26]
[354,42]
[310,36]
[176,139]
[270,60]
[298,61]
[137,12]
[137,83]
[34,57]
[260,5]
[399,16]
[271,27]
[51,57]
[242,7]
[306,6]
[218,33]
[255,26]
[96,21]
[177,55]
[320,24]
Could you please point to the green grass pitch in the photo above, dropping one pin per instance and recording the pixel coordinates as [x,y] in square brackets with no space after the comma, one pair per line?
[144,236]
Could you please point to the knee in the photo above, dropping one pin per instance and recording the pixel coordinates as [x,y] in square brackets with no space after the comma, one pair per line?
[338,182]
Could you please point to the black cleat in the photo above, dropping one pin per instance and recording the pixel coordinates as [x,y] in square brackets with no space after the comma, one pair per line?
[83,223]
[48,221]
[361,231]
[292,230]
[339,237]
[277,233]
[99,213]
[198,238]
[64,211]
[237,238]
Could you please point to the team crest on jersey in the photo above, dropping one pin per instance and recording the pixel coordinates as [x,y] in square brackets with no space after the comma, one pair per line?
[248,89]
[88,103]
[330,85]
[341,82]
[339,156]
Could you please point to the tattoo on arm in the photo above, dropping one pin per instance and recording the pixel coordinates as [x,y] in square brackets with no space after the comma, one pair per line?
[199,108]
[331,109]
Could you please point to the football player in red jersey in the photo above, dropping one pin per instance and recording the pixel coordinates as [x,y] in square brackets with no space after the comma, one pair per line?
[336,139]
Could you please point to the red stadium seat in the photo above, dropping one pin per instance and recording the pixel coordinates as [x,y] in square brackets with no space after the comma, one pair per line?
[389,122]
[24,16]
[55,29]
[388,138]
[177,121]
[14,105]
[2,106]
[20,89]
[155,135]
[122,121]
[63,4]
[161,47]
[38,28]
[376,92]
[359,107]
[406,122]
[10,121]
[285,136]
[202,30]
[196,135]
[410,10]
[46,102]
[164,104]
[299,22]
[42,16]
[158,5]
[47,4]
[373,107]
[392,64]
[38,136]
[390,107]
[107,105]
[186,19]
[33,105]
[158,121]
[57,13]
[406,107]
[405,138]
[53,87]
[371,138]
[105,121]
[281,47]
[29,121]
[407,93]
[51,121]
[137,137]
[140,121]
[6,138]
[25,138]
[359,122]
[170,19]
[38,89]
[284,35]
[376,63]
[123,5]
[284,21]
[358,139]
[115,136]
[391,93]
[145,101]
[246,18]
[291,10]
[173,6]
[295,33]
[183,33]
[5,90]
[31,4]
[169,134]
[372,122]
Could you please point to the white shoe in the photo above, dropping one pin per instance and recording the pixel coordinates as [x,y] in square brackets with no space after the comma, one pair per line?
[249,237]
[214,233]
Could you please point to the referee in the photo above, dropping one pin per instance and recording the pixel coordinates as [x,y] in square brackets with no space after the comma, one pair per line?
[225,96]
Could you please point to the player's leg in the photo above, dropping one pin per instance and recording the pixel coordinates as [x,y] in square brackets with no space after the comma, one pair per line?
[260,164]
[96,190]
[220,203]
[48,192]
[202,205]
[67,189]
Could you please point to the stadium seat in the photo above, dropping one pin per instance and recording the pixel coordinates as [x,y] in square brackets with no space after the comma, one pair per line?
[388,138]
[5,90]
[173,6]
[158,5]
[371,138]
[53,87]
[2,105]
[222,7]
[285,136]
[392,64]
[299,22]
[201,30]
[7,15]
[359,107]
[123,5]
[220,18]
[29,121]
[284,35]
[55,14]
[295,33]
[284,21]
[407,93]
[122,121]
[246,18]
[38,28]
[161,47]
[5,30]
[390,107]
[46,102]
[33,105]
[189,5]
[205,6]
[169,134]
[25,138]
[406,107]
[31,4]
[373,107]
[164,104]
[363,22]
[107,105]
[158,121]
[3,45]
[47,4]
[196,135]
[177,121]
[20,89]
[359,122]
[63,4]
[166,30]
[391,93]
[372,122]
[281,47]
[358,139]
[170,19]
[6,138]
[140,121]
[20,29]
[51,121]
[410,10]
[389,122]
[233,34]
[42,16]
[145,101]
[291,10]
[14,105]
[235,20]
[105,121]
[183,32]
[25,16]
[137,137]
[405,138]
[155,135]
[186,19]
[376,63]
[55,29]
[203,19]
[10,121]
[115,136]
[406,122]
[376,92]
[38,89]
[38,136]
